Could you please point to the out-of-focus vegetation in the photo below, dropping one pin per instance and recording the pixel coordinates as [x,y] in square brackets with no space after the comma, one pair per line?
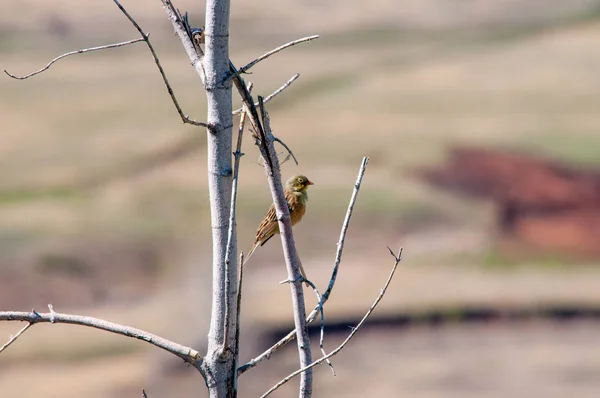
[397,81]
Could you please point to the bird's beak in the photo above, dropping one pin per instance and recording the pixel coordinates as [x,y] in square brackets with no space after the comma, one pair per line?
[310,183]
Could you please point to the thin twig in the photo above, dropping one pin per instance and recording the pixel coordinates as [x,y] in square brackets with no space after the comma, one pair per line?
[16,336]
[253,113]
[338,258]
[238,316]
[322,332]
[265,142]
[144,395]
[239,296]
[261,161]
[273,94]
[287,148]
[251,106]
[81,51]
[279,90]
[186,353]
[352,333]
[345,225]
[231,238]
[247,67]
[146,37]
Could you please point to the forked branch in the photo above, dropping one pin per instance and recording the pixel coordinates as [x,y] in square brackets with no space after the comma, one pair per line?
[397,259]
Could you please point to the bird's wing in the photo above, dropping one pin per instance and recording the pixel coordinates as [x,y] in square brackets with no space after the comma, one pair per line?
[268,227]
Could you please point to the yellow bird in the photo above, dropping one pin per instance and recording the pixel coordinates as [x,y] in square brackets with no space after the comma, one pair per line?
[296,198]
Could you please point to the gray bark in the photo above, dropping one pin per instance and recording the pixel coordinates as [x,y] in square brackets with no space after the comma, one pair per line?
[219,364]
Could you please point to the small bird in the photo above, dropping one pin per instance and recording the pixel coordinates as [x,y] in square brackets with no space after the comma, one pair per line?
[296,198]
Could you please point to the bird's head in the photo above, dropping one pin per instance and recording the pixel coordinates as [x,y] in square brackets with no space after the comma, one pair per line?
[298,184]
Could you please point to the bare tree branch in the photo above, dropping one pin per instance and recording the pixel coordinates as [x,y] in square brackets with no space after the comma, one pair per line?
[186,353]
[238,316]
[266,146]
[248,102]
[273,94]
[181,29]
[251,107]
[287,148]
[81,51]
[247,67]
[345,225]
[350,336]
[289,155]
[338,258]
[16,336]
[252,112]
[146,37]
[231,238]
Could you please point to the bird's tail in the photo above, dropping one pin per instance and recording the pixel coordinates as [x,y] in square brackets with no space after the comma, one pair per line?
[252,249]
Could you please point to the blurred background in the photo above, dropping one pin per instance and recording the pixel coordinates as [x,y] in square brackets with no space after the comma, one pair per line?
[481,122]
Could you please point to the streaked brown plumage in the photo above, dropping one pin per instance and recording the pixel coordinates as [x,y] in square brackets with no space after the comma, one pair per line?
[296,197]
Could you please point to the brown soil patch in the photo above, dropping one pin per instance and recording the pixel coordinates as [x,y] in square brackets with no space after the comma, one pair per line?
[544,203]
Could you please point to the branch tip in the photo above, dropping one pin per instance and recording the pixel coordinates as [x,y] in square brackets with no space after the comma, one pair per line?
[391,252]
[343,344]
[246,67]
[15,337]
[80,51]
[273,94]
[186,353]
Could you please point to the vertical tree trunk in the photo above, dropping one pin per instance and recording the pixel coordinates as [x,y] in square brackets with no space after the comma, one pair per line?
[220,364]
